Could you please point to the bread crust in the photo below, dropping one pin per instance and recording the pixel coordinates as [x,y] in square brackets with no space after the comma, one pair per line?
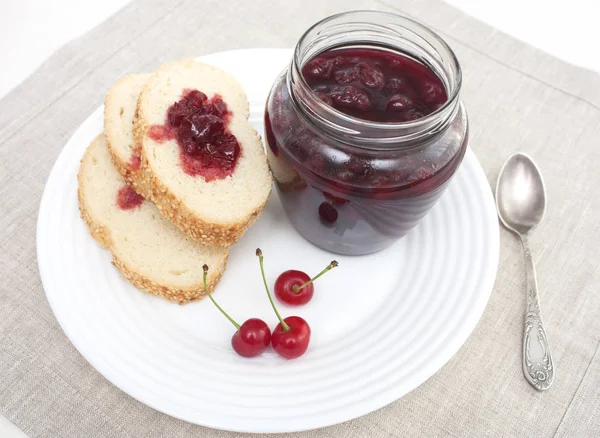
[180,296]
[170,205]
[103,236]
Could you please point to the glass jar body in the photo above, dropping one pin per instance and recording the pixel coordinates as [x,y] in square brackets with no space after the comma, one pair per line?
[354,187]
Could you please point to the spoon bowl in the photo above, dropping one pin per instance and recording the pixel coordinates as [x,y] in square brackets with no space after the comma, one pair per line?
[520,194]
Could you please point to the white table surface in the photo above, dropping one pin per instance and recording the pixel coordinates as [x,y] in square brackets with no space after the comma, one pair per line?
[31,30]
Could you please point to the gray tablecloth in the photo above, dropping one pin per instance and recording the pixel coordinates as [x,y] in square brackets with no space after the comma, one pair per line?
[519,99]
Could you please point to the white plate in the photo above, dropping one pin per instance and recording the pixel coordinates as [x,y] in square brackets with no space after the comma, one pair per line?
[382,324]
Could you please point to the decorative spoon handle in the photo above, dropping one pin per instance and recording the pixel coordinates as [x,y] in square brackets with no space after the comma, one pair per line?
[537,360]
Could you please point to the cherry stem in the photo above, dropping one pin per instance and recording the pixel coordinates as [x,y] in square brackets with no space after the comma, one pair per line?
[286,327]
[205,268]
[333,264]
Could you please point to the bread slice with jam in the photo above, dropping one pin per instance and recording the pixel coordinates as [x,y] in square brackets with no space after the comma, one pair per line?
[149,250]
[202,163]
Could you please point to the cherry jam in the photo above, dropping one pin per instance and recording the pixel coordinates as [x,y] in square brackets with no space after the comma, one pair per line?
[375,85]
[363,138]
[199,125]
[128,198]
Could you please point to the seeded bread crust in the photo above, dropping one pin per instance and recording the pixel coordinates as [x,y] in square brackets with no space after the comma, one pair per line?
[170,205]
[180,296]
[102,234]
[173,209]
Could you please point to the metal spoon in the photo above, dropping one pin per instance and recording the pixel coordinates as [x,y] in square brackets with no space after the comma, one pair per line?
[521,201]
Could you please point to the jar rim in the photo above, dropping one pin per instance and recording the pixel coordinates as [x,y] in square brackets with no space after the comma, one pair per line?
[445,111]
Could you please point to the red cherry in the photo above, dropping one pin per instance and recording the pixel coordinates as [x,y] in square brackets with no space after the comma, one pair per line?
[287,281]
[252,337]
[399,102]
[296,287]
[395,84]
[345,77]
[432,92]
[328,213]
[370,77]
[293,341]
[413,114]
[318,68]
[350,97]
[293,333]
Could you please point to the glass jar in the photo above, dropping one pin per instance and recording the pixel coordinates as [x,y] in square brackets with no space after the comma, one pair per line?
[355,186]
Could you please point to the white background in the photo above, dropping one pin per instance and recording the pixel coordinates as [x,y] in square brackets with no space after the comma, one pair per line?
[31,30]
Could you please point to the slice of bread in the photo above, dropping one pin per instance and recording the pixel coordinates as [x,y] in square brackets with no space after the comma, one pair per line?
[216,212]
[119,109]
[148,250]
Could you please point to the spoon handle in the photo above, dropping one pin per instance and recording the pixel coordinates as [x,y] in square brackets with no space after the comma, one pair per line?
[537,360]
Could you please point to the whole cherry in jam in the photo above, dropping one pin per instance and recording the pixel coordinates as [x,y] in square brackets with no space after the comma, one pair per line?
[296,287]
[375,84]
[328,213]
[128,198]
[200,126]
[252,337]
[291,336]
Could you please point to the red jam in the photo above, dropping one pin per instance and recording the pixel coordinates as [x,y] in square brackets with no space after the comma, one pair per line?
[347,198]
[375,85]
[371,84]
[135,162]
[199,125]
[128,199]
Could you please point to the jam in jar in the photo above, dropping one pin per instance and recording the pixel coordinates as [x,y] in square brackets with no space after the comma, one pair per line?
[365,129]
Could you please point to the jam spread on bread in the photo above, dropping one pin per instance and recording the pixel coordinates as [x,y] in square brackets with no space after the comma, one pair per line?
[135,162]
[128,199]
[199,125]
